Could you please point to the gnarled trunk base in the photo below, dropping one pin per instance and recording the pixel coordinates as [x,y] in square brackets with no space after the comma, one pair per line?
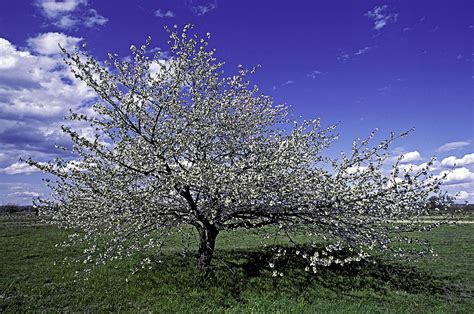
[206,247]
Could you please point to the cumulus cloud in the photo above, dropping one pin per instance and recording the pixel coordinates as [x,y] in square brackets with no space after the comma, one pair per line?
[65,22]
[463,195]
[9,55]
[37,86]
[408,167]
[201,7]
[381,16]
[19,168]
[452,146]
[54,8]
[94,18]
[70,13]
[411,156]
[452,161]
[457,176]
[36,92]
[461,191]
[47,43]
[356,169]
[162,14]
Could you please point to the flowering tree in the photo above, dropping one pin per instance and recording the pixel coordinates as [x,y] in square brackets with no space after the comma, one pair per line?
[178,143]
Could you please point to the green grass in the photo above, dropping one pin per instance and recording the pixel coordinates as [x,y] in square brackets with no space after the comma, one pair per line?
[29,281]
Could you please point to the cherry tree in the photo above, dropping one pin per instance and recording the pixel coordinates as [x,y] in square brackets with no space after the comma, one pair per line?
[176,142]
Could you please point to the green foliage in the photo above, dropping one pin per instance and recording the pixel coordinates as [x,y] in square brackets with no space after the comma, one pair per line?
[241,281]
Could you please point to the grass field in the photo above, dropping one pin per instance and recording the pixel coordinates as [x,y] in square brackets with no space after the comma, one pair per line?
[29,280]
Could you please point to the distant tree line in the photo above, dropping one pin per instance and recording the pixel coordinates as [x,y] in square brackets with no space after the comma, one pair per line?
[445,204]
[461,208]
[13,209]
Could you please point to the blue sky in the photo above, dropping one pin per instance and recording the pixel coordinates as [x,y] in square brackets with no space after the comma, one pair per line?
[364,64]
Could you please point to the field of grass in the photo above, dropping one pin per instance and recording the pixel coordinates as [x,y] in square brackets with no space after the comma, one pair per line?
[242,281]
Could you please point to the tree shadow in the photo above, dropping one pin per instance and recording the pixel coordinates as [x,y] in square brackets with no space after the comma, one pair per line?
[376,274]
[238,273]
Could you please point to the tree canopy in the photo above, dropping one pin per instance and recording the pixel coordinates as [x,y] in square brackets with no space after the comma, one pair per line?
[176,142]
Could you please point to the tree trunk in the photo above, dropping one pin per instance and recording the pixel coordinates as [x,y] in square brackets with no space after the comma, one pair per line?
[206,247]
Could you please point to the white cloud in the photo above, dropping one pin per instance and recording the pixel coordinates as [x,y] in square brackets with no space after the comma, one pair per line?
[463,195]
[287,83]
[25,194]
[54,8]
[452,146]
[36,92]
[70,13]
[381,16]
[38,86]
[19,167]
[356,169]
[201,7]
[411,156]
[161,14]
[66,22]
[47,43]
[415,168]
[462,191]
[159,66]
[457,176]
[94,19]
[452,161]
[8,55]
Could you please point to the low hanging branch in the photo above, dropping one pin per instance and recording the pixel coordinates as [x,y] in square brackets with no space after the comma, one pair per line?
[178,143]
